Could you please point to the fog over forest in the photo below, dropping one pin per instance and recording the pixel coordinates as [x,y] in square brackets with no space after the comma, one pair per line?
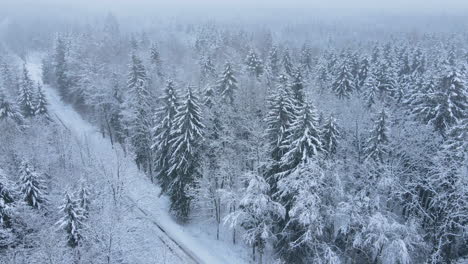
[234,131]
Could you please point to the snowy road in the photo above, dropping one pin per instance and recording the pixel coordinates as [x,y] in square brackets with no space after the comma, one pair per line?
[156,230]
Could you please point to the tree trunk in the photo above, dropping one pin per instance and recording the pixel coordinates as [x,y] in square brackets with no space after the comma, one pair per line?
[109,131]
[253,252]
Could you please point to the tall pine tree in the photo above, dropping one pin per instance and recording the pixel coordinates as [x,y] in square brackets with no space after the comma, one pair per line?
[343,85]
[377,144]
[184,162]
[32,186]
[227,84]
[25,97]
[162,135]
[72,220]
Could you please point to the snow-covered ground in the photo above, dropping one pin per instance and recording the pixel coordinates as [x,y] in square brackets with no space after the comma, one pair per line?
[147,210]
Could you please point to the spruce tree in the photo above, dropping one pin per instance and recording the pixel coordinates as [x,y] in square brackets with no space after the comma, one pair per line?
[208,96]
[445,106]
[142,122]
[280,116]
[72,220]
[274,61]
[184,162]
[419,62]
[32,186]
[257,214]
[141,138]
[137,77]
[306,59]
[330,134]
[297,89]
[162,135]
[287,63]
[41,102]
[363,73]
[207,70]
[6,201]
[8,111]
[343,85]
[377,144]
[371,91]
[25,97]
[227,84]
[61,67]
[405,65]
[254,64]
[8,77]
[385,79]
[83,199]
[155,57]
[303,140]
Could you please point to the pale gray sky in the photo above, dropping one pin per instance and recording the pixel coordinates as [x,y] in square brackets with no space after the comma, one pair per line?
[399,4]
[189,5]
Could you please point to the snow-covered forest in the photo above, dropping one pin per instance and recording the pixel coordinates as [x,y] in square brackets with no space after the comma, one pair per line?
[257,139]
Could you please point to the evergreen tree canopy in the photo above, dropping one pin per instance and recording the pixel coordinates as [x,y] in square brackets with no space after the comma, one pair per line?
[227,84]
[184,168]
[274,61]
[377,143]
[25,97]
[32,186]
[41,102]
[72,220]
[287,63]
[330,134]
[343,85]
[8,111]
[445,106]
[297,88]
[303,139]
[254,64]
[162,134]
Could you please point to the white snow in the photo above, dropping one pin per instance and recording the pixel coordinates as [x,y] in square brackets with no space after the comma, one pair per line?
[202,245]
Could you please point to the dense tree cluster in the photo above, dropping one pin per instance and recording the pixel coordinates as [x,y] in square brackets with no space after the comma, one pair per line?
[311,152]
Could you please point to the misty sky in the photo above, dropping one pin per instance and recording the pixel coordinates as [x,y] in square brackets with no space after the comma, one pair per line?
[299,4]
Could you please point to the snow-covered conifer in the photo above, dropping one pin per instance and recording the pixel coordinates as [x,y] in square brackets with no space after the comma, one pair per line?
[287,63]
[363,73]
[41,102]
[8,111]
[32,186]
[445,106]
[184,168]
[154,55]
[207,69]
[137,78]
[306,59]
[83,198]
[162,134]
[377,143]
[303,139]
[254,64]
[227,84]
[330,134]
[25,96]
[257,214]
[343,85]
[61,67]
[297,89]
[274,61]
[72,220]
[6,201]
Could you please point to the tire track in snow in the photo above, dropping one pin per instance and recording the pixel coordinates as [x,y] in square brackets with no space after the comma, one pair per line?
[178,245]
